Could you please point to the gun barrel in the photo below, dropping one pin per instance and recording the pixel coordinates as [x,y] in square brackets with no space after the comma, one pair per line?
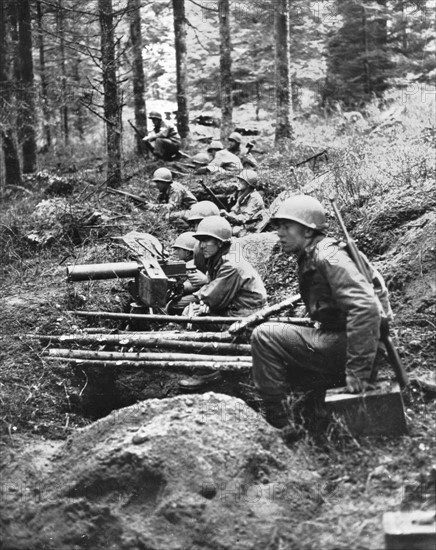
[93,272]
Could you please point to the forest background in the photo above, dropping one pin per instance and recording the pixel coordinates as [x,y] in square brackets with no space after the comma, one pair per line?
[73,75]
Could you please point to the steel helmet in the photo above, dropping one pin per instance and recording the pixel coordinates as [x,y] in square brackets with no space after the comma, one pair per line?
[215,145]
[216,227]
[302,209]
[235,136]
[155,114]
[201,158]
[249,176]
[186,241]
[163,174]
[202,209]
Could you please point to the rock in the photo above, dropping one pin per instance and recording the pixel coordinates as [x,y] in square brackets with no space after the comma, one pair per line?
[171,486]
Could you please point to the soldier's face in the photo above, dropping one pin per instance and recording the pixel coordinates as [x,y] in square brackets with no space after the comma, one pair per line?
[182,254]
[209,247]
[292,235]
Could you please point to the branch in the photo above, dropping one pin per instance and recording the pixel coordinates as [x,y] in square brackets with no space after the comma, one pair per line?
[204,7]
[196,35]
[96,114]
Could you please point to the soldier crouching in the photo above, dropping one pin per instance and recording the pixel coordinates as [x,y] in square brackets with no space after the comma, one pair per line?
[343,345]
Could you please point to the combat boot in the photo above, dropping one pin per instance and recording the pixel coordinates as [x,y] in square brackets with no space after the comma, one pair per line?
[277,413]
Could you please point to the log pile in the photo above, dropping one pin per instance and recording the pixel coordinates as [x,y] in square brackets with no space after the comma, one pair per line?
[181,349]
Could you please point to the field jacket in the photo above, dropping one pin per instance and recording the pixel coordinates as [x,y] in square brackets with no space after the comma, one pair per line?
[225,162]
[249,208]
[234,285]
[178,197]
[166,131]
[340,299]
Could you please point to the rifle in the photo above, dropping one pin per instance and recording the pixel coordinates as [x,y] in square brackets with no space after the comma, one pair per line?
[393,355]
[313,157]
[128,195]
[213,196]
[141,137]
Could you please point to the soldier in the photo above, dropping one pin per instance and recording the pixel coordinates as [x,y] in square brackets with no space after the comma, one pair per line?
[184,250]
[173,196]
[198,212]
[343,344]
[222,162]
[164,141]
[249,208]
[233,286]
[235,142]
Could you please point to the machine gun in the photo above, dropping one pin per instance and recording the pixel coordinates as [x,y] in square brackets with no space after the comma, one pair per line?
[156,279]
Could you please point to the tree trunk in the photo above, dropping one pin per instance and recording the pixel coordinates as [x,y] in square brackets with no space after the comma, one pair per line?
[12,170]
[181,68]
[283,72]
[64,106]
[111,104]
[225,69]
[28,95]
[43,76]
[138,74]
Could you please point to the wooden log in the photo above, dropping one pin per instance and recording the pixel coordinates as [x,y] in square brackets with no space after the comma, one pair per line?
[133,338]
[144,356]
[179,365]
[262,315]
[184,319]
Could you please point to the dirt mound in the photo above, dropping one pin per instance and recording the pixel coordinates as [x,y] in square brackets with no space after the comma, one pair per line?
[409,267]
[202,471]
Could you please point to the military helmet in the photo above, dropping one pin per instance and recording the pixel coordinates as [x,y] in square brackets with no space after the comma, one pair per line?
[249,176]
[201,158]
[216,227]
[215,145]
[235,136]
[155,114]
[201,210]
[302,209]
[163,174]
[186,241]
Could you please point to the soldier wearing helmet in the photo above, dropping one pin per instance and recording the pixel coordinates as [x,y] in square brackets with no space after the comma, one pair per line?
[221,161]
[164,141]
[199,211]
[235,142]
[342,345]
[173,196]
[183,248]
[233,286]
[249,207]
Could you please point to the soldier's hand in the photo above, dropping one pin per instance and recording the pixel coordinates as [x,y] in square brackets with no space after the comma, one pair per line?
[197,279]
[356,385]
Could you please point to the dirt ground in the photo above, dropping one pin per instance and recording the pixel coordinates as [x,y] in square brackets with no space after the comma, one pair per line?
[73,481]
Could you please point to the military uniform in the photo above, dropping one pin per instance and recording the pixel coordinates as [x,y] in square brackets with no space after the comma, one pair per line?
[234,286]
[248,209]
[178,199]
[225,163]
[347,332]
[166,141]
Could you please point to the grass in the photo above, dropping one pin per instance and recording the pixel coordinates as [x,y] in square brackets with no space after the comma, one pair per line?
[383,181]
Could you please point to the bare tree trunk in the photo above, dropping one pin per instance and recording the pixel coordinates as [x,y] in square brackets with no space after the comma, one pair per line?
[64,106]
[283,72]
[111,104]
[43,76]
[12,169]
[79,114]
[28,92]
[181,68]
[138,74]
[225,68]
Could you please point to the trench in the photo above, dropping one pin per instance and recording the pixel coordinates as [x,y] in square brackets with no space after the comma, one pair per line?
[105,389]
